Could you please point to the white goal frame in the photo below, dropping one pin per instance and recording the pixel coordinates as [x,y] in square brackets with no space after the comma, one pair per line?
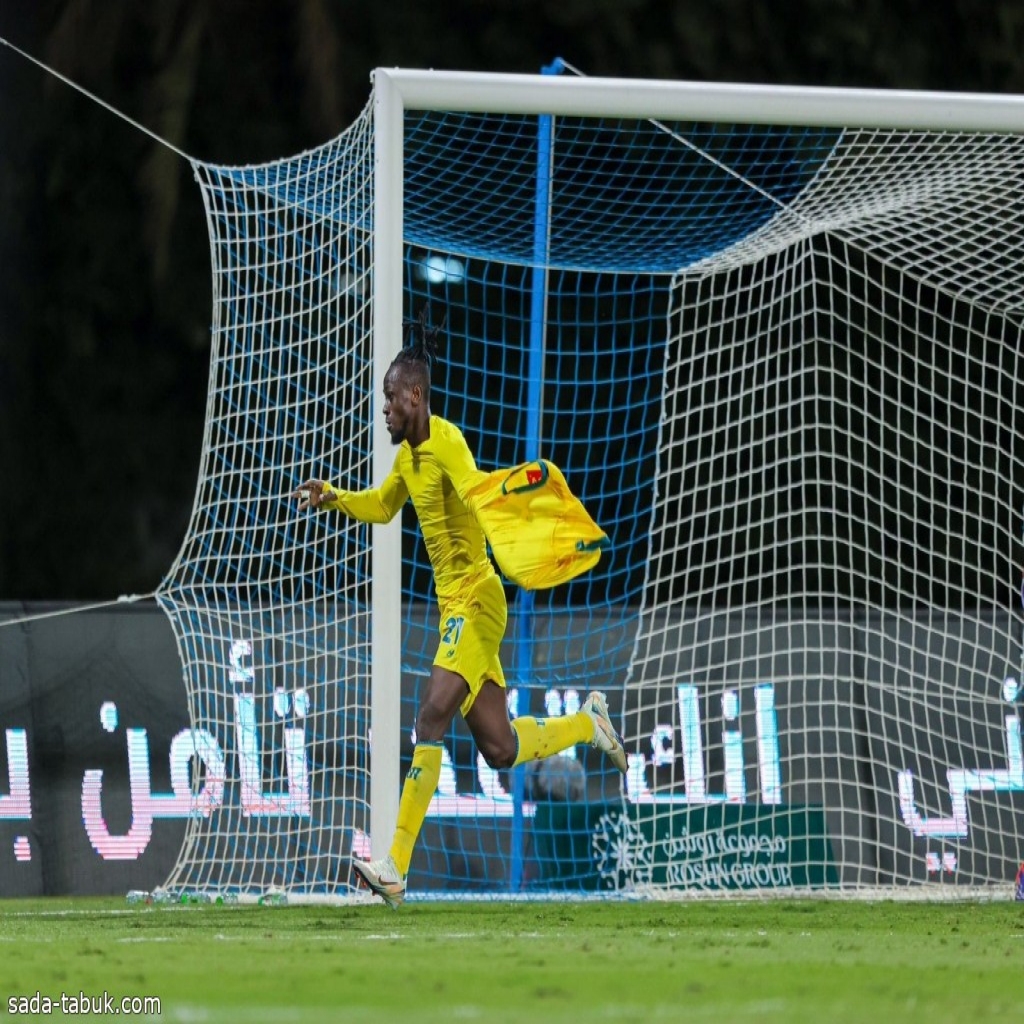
[398,90]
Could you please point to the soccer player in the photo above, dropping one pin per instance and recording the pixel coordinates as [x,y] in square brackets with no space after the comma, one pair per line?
[435,468]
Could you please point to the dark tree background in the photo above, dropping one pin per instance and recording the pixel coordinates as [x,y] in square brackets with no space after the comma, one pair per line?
[104,269]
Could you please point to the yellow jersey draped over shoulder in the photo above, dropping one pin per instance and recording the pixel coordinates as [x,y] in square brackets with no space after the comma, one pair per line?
[436,475]
[539,531]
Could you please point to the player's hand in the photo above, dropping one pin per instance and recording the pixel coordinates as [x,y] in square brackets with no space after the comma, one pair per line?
[310,495]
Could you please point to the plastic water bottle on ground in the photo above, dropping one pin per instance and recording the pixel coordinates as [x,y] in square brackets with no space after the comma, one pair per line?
[139,896]
[274,898]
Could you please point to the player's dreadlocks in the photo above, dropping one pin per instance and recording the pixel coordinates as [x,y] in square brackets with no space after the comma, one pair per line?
[419,351]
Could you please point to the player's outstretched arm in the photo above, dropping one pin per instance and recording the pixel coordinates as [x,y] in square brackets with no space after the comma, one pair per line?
[376,505]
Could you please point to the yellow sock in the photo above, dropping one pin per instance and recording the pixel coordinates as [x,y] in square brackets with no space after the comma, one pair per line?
[542,737]
[417,792]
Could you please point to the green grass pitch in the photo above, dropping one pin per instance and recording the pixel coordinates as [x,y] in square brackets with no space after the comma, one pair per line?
[773,960]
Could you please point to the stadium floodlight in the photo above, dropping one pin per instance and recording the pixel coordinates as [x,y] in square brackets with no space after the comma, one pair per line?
[773,337]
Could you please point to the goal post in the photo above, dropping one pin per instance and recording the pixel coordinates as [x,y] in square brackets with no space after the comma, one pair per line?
[707,102]
[781,365]
[388,307]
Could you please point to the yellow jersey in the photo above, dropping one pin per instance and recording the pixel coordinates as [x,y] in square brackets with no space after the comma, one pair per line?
[436,475]
[539,532]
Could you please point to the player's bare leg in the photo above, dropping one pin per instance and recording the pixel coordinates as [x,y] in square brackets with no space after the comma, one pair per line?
[492,731]
[442,698]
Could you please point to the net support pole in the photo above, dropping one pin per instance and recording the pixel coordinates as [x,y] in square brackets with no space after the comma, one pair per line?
[386,559]
[532,448]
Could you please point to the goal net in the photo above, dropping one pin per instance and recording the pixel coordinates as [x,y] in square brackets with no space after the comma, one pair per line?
[773,339]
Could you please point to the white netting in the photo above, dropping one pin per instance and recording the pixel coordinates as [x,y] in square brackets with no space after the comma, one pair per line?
[780,364]
[839,490]
[271,608]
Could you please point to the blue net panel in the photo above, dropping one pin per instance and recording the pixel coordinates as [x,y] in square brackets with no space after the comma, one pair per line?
[640,197]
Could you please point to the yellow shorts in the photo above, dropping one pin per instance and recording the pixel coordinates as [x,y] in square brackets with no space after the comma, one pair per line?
[472,626]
